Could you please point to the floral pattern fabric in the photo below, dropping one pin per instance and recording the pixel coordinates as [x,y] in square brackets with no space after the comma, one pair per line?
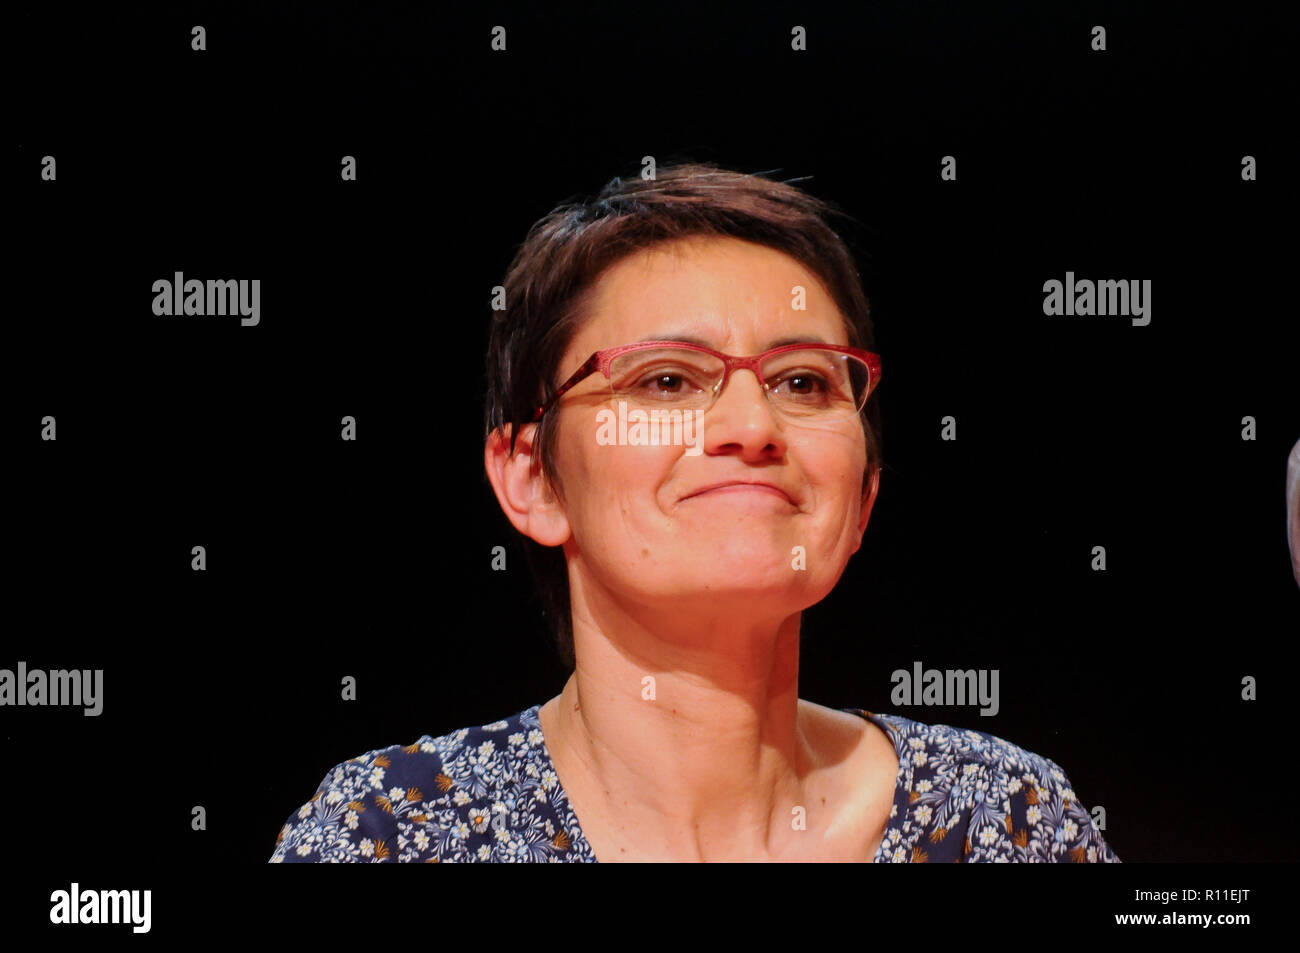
[490,793]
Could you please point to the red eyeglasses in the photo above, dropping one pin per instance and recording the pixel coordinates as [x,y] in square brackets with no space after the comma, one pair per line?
[810,383]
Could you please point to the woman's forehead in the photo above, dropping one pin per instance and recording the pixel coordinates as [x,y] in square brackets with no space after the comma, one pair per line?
[699,264]
[714,290]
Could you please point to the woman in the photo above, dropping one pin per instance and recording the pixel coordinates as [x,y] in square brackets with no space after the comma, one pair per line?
[682,508]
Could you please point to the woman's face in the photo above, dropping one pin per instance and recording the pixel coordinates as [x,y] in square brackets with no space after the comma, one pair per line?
[638,528]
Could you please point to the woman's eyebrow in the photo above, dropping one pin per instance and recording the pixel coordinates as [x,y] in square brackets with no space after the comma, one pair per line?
[696,339]
[798,339]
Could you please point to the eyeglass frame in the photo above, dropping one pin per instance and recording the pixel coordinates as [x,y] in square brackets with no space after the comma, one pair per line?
[601,360]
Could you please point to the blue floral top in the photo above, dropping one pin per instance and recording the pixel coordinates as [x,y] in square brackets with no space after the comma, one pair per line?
[491,794]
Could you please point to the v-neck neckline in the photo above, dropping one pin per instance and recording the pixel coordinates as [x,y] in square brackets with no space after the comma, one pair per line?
[902,784]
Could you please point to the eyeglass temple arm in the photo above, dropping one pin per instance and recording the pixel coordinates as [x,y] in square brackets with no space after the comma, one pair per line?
[589,366]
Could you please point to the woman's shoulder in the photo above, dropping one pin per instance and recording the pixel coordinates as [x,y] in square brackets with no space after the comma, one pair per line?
[438,797]
[1004,802]
[480,756]
[951,746]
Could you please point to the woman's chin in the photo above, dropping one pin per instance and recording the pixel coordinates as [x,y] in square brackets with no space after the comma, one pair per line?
[778,587]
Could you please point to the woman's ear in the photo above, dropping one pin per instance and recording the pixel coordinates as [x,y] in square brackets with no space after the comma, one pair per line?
[522,489]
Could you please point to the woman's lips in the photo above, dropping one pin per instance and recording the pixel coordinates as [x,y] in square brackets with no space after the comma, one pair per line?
[741,490]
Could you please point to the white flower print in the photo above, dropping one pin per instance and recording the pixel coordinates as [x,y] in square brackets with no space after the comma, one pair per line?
[960,794]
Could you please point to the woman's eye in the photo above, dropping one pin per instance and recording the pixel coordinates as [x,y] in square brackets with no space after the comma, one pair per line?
[805,384]
[665,382]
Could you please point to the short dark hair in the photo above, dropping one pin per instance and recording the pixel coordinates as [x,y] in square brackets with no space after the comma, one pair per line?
[548,282]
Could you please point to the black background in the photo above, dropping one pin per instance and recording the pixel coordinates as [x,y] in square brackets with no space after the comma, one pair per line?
[372,558]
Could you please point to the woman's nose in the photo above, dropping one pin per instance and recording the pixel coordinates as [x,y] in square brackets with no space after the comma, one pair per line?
[741,413]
